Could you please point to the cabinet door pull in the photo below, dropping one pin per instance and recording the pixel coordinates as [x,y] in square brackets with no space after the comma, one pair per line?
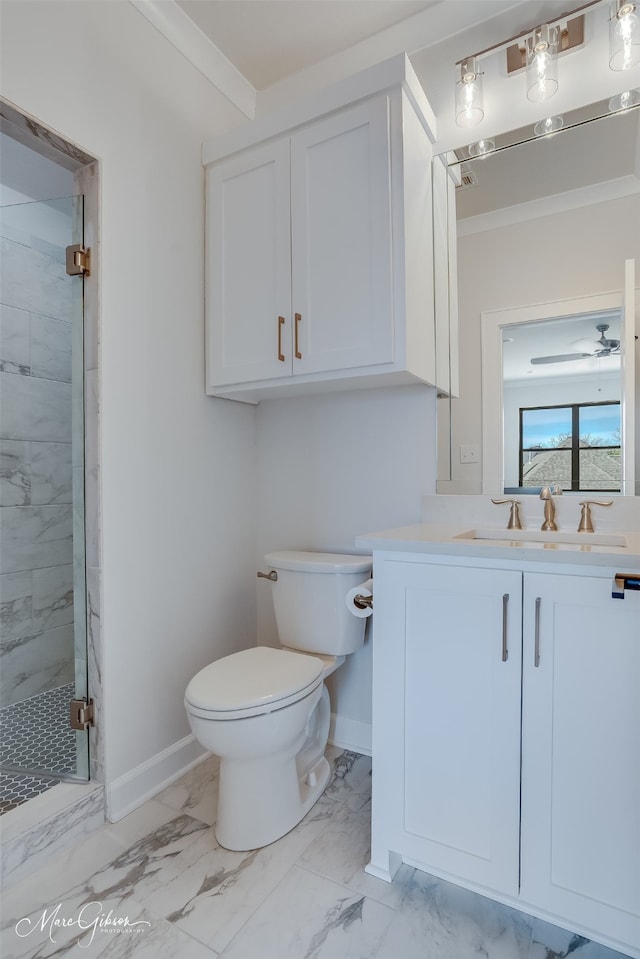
[298,319]
[281,322]
[505,651]
[536,645]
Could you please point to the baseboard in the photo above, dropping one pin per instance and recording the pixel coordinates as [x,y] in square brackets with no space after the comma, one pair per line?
[144,782]
[352,734]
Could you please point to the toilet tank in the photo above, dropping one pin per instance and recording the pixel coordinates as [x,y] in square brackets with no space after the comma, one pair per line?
[309,599]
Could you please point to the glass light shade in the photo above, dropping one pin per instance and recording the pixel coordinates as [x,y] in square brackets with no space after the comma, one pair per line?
[542,63]
[469,103]
[545,128]
[624,36]
[624,101]
[481,148]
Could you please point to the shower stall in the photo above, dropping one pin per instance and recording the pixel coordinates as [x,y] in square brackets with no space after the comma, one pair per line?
[43,644]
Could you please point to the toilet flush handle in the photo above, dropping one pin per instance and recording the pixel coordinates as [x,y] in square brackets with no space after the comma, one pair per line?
[273,576]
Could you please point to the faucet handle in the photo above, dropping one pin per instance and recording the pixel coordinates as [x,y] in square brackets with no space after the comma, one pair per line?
[514,512]
[586,524]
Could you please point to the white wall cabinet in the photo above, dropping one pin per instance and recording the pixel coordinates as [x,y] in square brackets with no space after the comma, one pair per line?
[506,727]
[319,255]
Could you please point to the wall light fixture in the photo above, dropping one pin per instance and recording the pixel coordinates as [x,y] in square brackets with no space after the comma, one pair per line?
[624,35]
[537,52]
[469,104]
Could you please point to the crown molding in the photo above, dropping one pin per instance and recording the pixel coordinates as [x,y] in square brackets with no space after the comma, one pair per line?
[173,23]
[550,205]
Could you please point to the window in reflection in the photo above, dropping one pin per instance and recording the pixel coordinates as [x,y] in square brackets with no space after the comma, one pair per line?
[575,446]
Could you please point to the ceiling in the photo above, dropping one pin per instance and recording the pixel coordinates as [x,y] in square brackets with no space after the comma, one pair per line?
[574,334]
[267,40]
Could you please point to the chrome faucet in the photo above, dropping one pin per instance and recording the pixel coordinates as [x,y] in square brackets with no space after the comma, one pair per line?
[547,493]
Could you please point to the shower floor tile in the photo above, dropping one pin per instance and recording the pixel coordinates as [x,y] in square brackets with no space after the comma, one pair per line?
[16,788]
[35,734]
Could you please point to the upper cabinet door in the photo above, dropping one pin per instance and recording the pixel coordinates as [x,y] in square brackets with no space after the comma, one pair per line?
[341,240]
[249,266]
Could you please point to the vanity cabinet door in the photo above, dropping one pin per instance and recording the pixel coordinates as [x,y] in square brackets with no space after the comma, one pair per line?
[249,266]
[581,754]
[458,635]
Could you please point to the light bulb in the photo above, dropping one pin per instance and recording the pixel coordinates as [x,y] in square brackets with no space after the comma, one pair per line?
[542,63]
[624,36]
[469,106]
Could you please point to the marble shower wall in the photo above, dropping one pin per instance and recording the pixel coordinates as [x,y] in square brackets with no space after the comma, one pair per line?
[36,501]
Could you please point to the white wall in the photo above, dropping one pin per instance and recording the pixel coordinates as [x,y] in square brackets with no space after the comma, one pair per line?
[332,467]
[178,467]
[570,254]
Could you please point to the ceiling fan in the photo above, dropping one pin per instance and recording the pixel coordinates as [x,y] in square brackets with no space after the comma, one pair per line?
[605,347]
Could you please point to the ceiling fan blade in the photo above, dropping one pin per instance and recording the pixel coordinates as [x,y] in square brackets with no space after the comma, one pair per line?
[559,358]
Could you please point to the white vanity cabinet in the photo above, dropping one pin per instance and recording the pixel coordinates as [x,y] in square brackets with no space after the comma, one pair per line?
[319,262]
[506,737]
[580,828]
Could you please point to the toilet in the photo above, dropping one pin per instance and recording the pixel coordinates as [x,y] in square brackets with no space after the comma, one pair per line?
[265,712]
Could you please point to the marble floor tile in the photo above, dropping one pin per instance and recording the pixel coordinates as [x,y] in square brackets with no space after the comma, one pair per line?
[304,897]
[196,793]
[441,921]
[553,942]
[351,781]
[309,917]
[342,848]
[214,891]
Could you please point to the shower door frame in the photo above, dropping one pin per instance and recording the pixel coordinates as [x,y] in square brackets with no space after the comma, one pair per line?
[86,179]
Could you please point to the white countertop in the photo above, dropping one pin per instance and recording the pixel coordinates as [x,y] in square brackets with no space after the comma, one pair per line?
[447,518]
[447,539]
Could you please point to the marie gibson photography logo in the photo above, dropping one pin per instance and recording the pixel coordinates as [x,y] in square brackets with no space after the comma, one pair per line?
[91,919]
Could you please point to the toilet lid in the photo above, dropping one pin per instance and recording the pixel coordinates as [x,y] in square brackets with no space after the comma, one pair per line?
[252,678]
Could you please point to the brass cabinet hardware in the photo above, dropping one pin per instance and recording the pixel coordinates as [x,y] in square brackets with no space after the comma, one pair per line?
[505,650]
[536,645]
[586,523]
[281,322]
[273,576]
[298,319]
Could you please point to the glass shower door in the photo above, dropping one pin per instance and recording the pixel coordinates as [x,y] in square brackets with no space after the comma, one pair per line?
[43,649]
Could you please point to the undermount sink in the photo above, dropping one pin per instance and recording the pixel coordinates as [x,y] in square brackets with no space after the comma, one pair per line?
[559,537]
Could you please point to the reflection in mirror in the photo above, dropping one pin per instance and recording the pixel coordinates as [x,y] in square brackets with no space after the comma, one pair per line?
[548,220]
[561,410]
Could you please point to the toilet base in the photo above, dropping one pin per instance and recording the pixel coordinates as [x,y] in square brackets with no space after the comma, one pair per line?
[259,803]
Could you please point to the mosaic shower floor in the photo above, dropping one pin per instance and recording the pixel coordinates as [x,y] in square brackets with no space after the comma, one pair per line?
[36,745]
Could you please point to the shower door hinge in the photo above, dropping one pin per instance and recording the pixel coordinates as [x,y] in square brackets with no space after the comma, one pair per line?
[81,713]
[78,260]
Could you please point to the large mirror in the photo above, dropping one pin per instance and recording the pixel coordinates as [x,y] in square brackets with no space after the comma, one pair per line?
[548,232]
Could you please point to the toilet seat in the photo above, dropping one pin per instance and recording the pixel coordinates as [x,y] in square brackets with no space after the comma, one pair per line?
[252,682]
